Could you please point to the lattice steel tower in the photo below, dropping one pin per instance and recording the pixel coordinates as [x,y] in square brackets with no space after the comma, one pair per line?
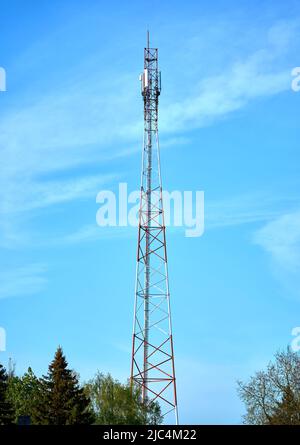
[152,366]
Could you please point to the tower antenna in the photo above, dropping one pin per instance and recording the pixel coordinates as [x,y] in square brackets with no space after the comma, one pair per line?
[152,364]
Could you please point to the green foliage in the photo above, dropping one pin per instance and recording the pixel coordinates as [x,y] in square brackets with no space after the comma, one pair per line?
[273,396]
[287,411]
[24,394]
[62,401]
[58,399]
[117,404]
[6,408]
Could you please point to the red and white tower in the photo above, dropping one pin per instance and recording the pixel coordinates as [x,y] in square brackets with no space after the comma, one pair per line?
[152,366]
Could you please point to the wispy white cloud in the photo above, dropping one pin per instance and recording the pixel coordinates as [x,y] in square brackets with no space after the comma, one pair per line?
[20,281]
[92,115]
[280,239]
[60,131]
[257,74]
[87,233]
[92,232]
[38,194]
[253,207]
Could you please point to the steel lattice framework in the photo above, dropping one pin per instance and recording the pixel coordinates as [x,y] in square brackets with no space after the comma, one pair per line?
[152,365]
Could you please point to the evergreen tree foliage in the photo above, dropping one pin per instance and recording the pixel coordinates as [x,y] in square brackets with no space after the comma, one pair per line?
[6,409]
[62,401]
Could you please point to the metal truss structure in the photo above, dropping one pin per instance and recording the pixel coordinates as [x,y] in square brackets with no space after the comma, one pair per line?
[152,366]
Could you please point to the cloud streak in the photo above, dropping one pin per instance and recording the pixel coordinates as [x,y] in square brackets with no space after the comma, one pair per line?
[50,138]
[39,194]
[280,239]
[20,281]
[254,207]
[258,74]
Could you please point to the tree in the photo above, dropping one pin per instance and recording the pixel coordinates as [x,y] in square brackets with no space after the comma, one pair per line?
[287,411]
[62,401]
[6,408]
[24,394]
[273,396]
[116,404]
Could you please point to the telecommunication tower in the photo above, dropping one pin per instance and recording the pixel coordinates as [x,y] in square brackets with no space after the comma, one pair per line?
[152,364]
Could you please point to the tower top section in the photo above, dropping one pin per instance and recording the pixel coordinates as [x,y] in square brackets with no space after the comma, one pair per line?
[151,77]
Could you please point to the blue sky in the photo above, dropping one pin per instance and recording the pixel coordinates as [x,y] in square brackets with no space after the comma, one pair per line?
[71,125]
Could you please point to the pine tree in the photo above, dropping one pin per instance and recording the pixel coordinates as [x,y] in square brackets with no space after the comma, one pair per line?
[63,402]
[6,409]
